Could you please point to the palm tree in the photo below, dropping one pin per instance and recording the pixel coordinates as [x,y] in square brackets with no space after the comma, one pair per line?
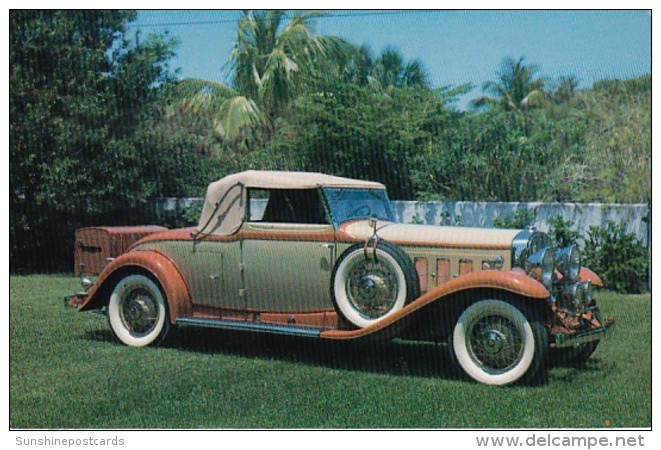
[390,71]
[415,74]
[357,66]
[517,87]
[386,71]
[566,88]
[273,61]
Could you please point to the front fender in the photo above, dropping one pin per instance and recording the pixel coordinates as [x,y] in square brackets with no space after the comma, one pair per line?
[155,263]
[587,275]
[514,281]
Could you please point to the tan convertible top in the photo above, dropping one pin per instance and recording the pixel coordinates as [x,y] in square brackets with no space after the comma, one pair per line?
[224,206]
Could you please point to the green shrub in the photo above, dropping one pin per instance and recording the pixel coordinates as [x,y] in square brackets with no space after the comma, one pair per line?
[181,217]
[522,218]
[617,257]
[561,232]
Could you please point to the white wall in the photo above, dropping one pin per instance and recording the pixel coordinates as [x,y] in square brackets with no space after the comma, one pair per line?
[482,214]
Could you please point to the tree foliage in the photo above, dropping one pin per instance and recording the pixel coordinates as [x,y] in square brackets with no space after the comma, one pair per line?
[273,60]
[87,143]
[364,133]
[99,125]
[617,140]
[389,70]
[517,86]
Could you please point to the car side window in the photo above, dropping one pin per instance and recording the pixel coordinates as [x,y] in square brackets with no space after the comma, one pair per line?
[286,206]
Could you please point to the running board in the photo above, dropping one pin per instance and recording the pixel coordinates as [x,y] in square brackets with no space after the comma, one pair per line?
[258,327]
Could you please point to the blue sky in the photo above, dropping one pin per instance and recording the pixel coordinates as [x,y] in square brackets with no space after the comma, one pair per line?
[456,46]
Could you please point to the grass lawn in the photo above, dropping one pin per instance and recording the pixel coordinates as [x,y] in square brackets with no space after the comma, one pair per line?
[66,371]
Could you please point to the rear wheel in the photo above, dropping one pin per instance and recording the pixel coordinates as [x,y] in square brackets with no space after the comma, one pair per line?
[367,286]
[497,342]
[137,311]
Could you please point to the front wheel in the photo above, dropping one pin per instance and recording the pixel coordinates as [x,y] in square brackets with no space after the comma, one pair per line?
[138,312]
[498,343]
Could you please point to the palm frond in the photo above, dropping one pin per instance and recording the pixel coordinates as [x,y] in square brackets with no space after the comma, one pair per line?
[534,99]
[450,94]
[483,101]
[234,115]
[199,96]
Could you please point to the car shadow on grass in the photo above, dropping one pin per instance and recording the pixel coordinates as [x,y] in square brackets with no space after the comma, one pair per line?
[568,372]
[391,357]
[402,358]
[397,357]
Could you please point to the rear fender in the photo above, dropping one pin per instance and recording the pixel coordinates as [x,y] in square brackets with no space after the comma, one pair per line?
[513,282]
[155,264]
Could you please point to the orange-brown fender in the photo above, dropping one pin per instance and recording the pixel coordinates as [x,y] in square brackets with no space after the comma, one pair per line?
[515,281]
[157,264]
[587,275]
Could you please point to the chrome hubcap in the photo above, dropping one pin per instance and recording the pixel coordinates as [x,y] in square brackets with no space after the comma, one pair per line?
[372,287]
[139,311]
[495,343]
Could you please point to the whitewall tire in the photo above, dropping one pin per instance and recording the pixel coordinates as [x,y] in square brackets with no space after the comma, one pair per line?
[138,312]
[369,286]
[497,343]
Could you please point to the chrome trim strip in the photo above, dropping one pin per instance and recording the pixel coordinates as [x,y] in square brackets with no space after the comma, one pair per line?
[235,325]
[582,337]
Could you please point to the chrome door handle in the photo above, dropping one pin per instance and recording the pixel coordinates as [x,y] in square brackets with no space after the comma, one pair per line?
[328,246]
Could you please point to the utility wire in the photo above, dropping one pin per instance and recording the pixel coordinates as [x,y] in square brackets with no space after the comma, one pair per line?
[177,24]
[325,16]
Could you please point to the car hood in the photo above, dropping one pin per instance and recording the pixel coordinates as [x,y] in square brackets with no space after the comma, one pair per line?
[437,236]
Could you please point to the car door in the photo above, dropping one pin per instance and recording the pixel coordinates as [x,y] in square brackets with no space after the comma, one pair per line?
[211,267]
[288,251]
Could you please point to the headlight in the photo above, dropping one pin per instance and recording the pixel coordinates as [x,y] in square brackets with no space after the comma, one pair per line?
[586,291]
[568,262]
[540,266]
[577,296]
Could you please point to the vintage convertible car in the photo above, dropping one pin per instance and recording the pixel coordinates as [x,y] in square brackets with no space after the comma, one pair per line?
[322,257]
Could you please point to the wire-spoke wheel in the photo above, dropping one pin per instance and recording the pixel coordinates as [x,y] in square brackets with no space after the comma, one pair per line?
[498,343]
[137,311]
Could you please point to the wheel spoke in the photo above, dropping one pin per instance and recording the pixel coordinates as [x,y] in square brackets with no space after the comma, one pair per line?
[495,343]
[139,311]
[372,287]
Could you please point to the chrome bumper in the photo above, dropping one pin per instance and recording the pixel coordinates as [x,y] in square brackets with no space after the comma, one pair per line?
[582,337]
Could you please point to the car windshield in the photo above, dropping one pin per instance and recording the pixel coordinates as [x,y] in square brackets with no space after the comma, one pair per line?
[351,204]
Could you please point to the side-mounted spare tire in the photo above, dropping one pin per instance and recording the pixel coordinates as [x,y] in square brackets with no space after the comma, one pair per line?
[371,283]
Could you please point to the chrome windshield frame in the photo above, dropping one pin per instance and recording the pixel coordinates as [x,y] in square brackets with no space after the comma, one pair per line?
[382,196]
